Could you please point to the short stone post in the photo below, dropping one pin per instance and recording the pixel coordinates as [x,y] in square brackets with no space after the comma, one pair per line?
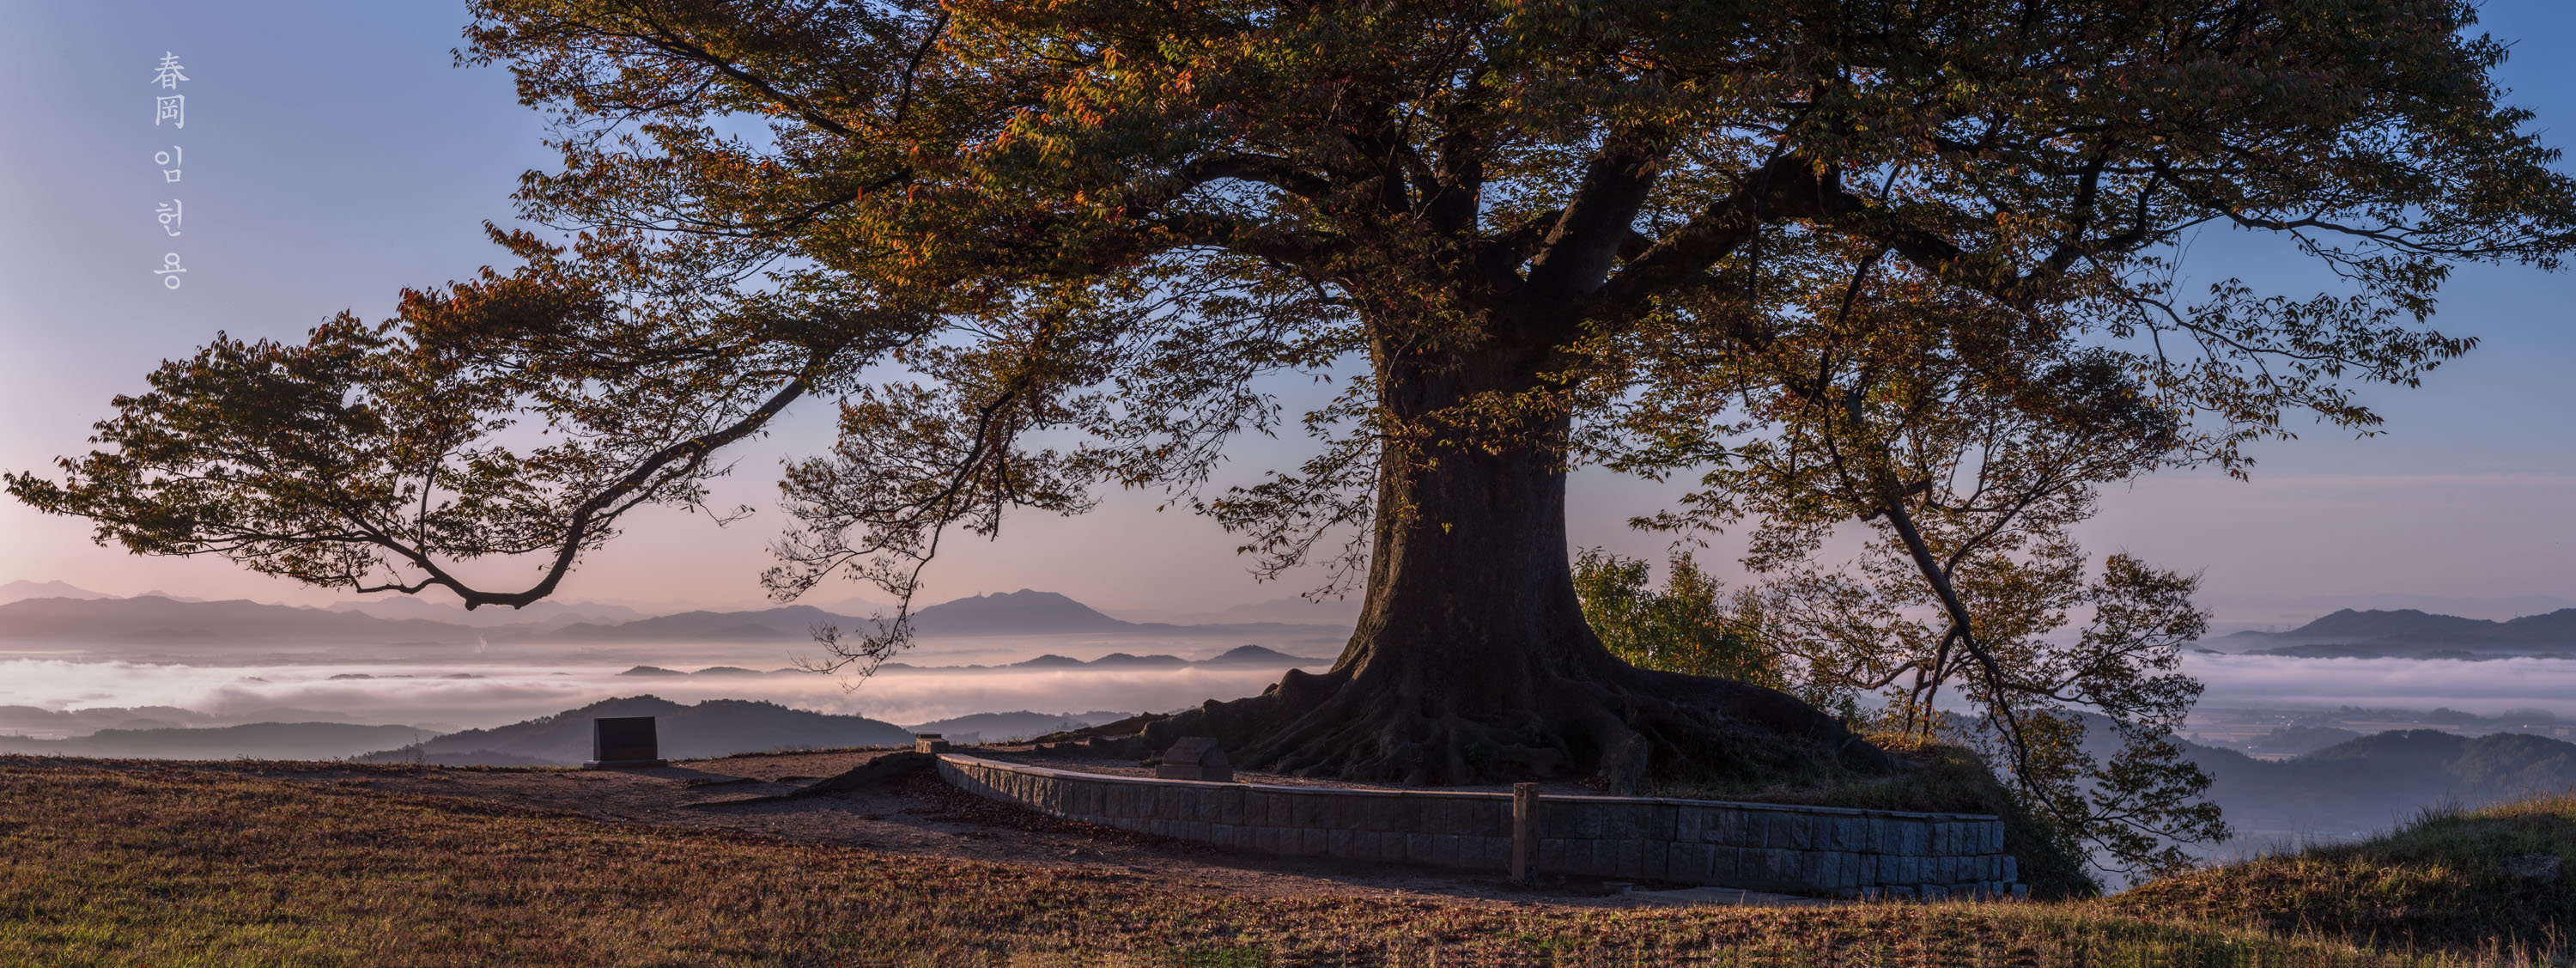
[1524,830]
[929,743]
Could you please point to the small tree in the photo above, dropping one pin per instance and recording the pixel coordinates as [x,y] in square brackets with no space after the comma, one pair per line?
[1690,625]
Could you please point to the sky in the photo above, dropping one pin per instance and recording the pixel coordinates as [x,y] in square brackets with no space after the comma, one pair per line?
[333,154]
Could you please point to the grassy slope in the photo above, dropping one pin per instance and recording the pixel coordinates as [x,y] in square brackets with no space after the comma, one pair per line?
[174,865]
[2441,880]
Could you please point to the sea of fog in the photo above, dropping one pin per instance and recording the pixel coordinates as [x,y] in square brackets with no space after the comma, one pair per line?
[497,686]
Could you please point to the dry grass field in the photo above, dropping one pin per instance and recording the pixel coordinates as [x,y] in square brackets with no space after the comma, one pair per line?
[166,864]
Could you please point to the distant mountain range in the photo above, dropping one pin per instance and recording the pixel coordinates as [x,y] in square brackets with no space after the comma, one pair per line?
[166,621]
[1239,657]
[18,591]
[159,620]
[1014,727]
[540,613]
[266,741]
[2408,633]
[716,727]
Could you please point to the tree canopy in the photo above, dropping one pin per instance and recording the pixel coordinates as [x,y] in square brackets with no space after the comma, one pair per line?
[1908,264]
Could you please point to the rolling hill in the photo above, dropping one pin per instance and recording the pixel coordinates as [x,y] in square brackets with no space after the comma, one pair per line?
[716,727]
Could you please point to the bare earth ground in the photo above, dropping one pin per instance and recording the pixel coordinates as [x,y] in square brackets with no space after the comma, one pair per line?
[926,818]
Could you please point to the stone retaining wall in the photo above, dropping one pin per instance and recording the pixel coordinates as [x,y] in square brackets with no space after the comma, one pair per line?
[1771,847]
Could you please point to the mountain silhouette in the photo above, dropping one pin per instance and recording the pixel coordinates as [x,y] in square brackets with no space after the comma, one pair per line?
[2413,633]
[19,591]
[1013,726]
[164,621]
[716,727]
[2376,781]
[1013,613]
[156,619]
[264,741]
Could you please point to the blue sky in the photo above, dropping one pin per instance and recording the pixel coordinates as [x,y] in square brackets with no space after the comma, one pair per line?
[334,155]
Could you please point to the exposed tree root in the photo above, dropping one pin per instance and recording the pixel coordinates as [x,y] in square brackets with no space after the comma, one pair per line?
[1617,723]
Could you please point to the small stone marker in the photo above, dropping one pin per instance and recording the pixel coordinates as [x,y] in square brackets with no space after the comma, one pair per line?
[1195,758]
[624,743]
[929,743]
[1524,830]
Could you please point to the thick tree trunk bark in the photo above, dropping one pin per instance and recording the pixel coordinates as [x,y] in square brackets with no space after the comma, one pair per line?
[1472,661]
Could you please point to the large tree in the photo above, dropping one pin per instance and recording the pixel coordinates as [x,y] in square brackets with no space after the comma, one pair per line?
[1040,248]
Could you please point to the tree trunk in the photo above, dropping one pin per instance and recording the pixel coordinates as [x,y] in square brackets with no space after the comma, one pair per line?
[1472,661]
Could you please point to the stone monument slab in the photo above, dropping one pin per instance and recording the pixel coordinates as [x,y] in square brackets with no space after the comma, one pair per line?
[624,742]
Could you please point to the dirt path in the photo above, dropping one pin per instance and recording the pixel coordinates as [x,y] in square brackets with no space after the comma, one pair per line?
[924,817]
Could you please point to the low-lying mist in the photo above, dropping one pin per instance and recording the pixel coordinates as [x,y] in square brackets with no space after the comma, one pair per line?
[467,696]
[491,690]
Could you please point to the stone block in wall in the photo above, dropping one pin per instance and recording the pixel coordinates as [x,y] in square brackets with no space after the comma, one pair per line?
[1729,827]
[1352,814]
[1742,828]
[1632,857]
[1722,864]
[1686,823]
[1589,819]
[1822,868]
[1600,857]
[1849,833]
[1444,850]
[1783,867]
[1377,813]
[1314,842]
[1685,861]
[2011,869]
[1776,830]
[1553,854]
[1301,810]
[1661,820]
[1417,847]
